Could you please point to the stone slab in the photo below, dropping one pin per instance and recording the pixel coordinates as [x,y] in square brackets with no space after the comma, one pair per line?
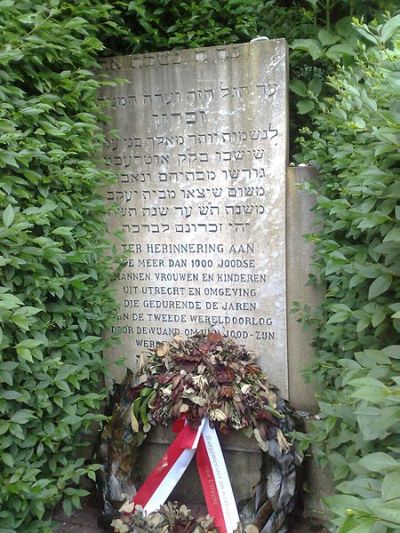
[201,159]
[300,222]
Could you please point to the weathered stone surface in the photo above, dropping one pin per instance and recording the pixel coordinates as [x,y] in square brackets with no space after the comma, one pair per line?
[201,160]
[300,221]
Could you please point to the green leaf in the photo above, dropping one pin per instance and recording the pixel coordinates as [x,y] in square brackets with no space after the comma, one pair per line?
[378,317]
[340,503]
[66,371]
[393,351]
[392,516]
[338,51]
[63,231]
[341,316]
[22,416]
[366,382]
[17,431]
[7,459]
[315,86]
[357,524]
[8,216]
[369,389]
[62,385]
[311,46]
[8,159]
[72,419]
[298,87]
[327,37]
[10,394]
[379,462]
[389,29]
[4,427]
[370,394]
[25,354]
[67,507]
[393,235]
[379,286]
[374,422]
[391,486]
[367,34]
[305,106]
[29,343]
[32,111]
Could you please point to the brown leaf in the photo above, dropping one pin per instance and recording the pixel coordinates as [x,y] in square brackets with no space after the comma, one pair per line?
[266,415]
[164,378]
[227,391]
[214,337]
[205,347]
[224,374]
[176,381]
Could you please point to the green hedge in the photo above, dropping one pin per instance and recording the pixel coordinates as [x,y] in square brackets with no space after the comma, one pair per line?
[355,143]
[55,265]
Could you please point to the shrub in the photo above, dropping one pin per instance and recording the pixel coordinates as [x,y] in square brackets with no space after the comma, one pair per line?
[355,145]
[55,264]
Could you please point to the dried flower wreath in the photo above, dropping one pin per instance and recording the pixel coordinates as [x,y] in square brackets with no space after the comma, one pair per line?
[210,376]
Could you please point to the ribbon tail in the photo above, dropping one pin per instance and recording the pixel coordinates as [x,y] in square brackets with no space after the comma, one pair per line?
[169,470]
[215,481]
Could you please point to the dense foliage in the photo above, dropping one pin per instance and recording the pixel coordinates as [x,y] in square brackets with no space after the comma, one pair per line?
[55,299]
[355,143]
[155,25]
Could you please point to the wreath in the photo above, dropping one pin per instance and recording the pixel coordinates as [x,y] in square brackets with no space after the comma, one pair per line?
[209,376]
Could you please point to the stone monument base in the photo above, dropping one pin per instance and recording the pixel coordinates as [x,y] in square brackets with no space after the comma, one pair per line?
[242,456]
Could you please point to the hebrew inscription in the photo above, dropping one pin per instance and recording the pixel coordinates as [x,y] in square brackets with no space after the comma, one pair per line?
[201,154]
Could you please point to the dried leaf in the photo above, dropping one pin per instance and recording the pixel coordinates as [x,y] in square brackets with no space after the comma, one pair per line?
[217,414]
[119,526]
[246,388]
[262,443]
[162,349]
[214,337]
[176,380]
[251,529]
[284,445]
[134,421]
[224,374]
[127,507]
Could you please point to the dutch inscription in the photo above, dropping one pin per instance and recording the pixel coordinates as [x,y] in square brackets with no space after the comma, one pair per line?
[201,157]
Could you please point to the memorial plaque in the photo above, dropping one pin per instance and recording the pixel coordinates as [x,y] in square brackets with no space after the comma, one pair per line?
[201,159]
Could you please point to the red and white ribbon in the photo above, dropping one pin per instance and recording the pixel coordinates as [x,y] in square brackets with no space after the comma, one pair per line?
[212,470]
[215,481]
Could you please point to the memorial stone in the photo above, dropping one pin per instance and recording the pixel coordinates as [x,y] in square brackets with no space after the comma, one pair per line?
[201,159]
